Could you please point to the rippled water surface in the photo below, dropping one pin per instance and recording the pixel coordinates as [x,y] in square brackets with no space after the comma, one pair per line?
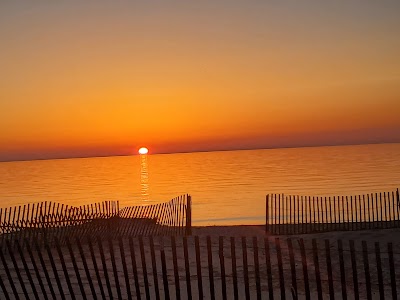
[227,187]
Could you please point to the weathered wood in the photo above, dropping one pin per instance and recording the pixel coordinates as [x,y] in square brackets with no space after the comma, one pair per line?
[280,268]
[222,267]
[55,272]
[329,269]
[198,265]
[134,268]
[210,268]
[316,266]
[269,269]
[379,271]
[305,271]
[36,269]
[176,271]
[96,269]
[354,268]
[187,268]
[292,268]
[86,268]
[256,268]
[234,270]
[366,270]
[75,265]
[114,267]
[64,267]
[392,271]
[245,268]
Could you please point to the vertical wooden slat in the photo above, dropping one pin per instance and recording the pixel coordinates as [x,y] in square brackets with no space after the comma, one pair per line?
[96,268]
[266,213]
[256,267]
[104,264]
[75,265]
[176,271]
[280,267]
[279,214]
[187,268]
[134,267]
[385,209]
[4,289]
[298,213]
[85,266]
[36,269]
[64,268]
[379,271]
[329,269]
[313,208]
[114,266]
[234,271]
[54,268]
[8,273]
[222,267]
[269,271]
[342,270]
[144,267]
[352,212]
[292,268]
[316,266]
[164,271]
[198,264]
[210,268]
[154,267]
[354,268]
[16,268]
[366,270]
[245,268]
[305,271]
[348,213]
[43,266]
[302,214]
[124,266]
[290,223]
[189,215]
[392,271]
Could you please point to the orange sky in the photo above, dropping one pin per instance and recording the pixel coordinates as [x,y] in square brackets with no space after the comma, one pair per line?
[103,78]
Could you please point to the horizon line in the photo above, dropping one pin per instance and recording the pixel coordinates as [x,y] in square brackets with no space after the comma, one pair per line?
[203,151]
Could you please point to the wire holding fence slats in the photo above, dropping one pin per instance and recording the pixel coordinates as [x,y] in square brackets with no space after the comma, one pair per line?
[294,214]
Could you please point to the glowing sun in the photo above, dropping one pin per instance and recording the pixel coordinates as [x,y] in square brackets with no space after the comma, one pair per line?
[143,150]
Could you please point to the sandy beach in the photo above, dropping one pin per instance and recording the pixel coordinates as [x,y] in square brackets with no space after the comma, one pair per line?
[110,272]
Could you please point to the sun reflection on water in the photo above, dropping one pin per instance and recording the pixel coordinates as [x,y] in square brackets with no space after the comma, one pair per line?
[144,177]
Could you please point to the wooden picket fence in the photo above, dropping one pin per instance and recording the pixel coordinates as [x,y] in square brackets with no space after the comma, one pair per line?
[47,221]
[169,267]
[288,214]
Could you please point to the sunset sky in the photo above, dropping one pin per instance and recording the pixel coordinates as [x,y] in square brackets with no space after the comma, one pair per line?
[83,78]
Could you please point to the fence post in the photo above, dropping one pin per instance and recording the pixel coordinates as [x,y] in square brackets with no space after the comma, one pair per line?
[266,212]
[189,215]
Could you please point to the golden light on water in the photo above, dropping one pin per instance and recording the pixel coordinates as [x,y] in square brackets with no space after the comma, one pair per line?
[143,150]
[144,174]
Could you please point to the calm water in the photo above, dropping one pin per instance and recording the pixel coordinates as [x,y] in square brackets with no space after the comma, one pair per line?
[226,187]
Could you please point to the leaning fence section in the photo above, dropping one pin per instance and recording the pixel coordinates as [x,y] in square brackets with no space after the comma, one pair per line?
[46,222]
[291,214]
[201,267]
[170,218]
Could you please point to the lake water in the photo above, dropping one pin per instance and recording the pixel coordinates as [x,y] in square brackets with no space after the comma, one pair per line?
[227,187]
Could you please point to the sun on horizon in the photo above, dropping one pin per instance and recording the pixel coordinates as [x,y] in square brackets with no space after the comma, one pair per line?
[143,150]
